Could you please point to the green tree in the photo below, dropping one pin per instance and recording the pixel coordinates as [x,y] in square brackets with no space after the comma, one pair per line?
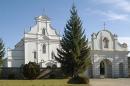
[31,70]
[74,54]
[2,51]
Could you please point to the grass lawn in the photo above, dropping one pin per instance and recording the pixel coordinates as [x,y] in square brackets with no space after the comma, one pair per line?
[49,82]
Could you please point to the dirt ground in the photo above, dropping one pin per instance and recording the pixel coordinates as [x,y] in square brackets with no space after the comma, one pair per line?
[110,82]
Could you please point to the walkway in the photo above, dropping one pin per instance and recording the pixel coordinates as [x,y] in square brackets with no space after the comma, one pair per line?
[110,82]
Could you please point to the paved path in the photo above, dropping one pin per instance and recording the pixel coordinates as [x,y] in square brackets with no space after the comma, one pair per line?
[110,82]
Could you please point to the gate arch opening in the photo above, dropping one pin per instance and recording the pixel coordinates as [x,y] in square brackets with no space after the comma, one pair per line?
[106,68]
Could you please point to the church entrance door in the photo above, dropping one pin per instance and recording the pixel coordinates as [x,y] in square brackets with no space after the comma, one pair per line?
[102,68]
[106,68]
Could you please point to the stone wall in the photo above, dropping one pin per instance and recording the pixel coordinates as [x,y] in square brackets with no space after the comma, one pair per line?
[7,72]
[17,73]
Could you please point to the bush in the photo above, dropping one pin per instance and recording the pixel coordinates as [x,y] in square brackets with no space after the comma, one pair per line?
[52,76]
[56,74]
[128,75]
[11,76]
[78,80]
[31,70]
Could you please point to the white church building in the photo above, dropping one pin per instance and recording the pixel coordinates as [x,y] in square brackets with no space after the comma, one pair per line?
[109,57]
[38,45]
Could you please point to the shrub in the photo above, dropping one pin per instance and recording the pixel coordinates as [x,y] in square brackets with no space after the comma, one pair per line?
[11,76]
[52,76]
[78,80]
[31,70]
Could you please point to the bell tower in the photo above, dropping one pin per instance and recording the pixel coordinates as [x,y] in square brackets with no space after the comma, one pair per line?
[42,22]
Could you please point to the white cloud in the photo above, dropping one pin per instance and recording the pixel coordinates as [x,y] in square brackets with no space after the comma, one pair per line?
[114,16]
[110,15]
[123,5]
[125,40]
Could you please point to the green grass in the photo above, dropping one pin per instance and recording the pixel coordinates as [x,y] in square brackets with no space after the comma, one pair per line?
[50,82]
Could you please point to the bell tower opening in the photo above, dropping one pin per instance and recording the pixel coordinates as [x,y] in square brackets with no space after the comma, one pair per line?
[106,42]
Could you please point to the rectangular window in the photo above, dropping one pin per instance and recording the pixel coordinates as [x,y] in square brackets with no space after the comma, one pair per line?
[35,54]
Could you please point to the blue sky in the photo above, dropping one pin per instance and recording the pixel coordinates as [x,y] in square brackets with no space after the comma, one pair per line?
[17,15]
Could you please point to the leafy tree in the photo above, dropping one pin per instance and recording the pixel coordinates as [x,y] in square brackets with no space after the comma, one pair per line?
[31,70]
[74,54]
[2,50]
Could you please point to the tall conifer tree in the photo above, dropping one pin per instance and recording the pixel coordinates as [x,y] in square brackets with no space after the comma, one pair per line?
[2,50]
[74,54]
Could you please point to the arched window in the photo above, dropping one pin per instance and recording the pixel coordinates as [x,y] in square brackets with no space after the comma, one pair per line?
[105,42]
[52,55]
[44,48]
[43,31]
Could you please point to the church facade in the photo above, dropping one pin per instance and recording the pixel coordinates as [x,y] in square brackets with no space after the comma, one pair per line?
[109,57]
[38,45]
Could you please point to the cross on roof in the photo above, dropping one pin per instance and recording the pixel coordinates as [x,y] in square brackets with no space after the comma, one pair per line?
[44,12]
[104,25]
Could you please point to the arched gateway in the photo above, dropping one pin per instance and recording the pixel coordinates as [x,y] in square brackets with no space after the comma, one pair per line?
[108,55]
[106,68]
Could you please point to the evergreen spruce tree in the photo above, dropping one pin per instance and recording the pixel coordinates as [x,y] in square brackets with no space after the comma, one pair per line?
[2,50]
[74,54]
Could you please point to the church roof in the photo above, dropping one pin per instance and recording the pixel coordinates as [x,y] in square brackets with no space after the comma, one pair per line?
[43,17]
[112,35]
[105,31]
